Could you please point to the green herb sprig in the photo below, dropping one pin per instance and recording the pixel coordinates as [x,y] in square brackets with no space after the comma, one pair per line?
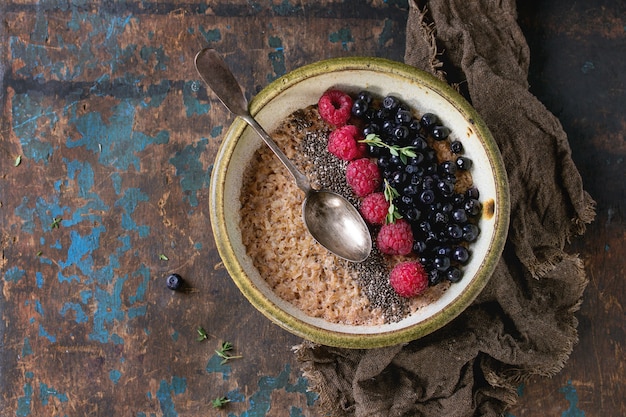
[404,152]
[390,194]
[219,402]
[202,334]
[222,352]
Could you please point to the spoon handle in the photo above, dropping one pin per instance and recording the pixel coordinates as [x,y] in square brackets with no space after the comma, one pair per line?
[218,76]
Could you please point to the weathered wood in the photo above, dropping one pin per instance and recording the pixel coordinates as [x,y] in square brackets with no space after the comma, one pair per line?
[117,137]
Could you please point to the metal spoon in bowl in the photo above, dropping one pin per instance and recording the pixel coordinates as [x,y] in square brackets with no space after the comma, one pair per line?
[330,218]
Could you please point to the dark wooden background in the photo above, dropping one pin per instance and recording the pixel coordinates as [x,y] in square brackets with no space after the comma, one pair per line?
[107,139]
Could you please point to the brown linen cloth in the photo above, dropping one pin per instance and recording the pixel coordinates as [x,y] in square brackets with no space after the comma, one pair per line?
[523,323]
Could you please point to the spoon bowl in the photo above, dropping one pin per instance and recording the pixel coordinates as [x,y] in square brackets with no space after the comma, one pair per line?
[330,218]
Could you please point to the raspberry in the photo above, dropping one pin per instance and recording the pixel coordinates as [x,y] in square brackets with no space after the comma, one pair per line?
[344,143]
[363,176]
[335,107]
[408,279]
[395,238]
[374,208]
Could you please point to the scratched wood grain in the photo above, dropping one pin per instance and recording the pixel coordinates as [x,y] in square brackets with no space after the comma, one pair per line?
[117,137]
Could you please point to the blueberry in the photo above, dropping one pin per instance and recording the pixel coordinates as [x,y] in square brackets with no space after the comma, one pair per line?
[359,107]
[428,183]
[464,163]
[456,146]
[442,263]
[440,132]
[404,117]
[411,189]
[365,96]
[371,128]
[416,160]
[440,218]
[419,143]
[428,120]
[374,150]
[391,102]
[445,187]
[412,214]
[460,254]
[472,192]
[459,216]
[470,232]
[419,246]
[401,132]
[427,197]
[448,167]
[454,274]
[434,277]
[472,207]
[382,114]
[174,282]
[415,125]
[455,231]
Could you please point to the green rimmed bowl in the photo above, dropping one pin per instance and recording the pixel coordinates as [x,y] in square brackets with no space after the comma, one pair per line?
[422,92]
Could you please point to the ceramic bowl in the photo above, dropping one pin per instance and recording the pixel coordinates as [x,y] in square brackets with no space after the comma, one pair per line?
[421,91]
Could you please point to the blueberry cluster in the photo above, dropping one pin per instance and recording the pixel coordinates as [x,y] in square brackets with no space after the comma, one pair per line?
[443,221]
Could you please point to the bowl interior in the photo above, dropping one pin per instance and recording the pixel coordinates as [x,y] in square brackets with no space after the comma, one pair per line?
[422,92]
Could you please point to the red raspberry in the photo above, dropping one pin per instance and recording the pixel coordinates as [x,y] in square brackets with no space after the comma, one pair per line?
[363,176]
[374,208]
[408,279]
[344,143]
[335,107]
[395,238]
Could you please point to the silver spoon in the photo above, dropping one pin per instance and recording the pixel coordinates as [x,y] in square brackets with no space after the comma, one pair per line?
[329,217]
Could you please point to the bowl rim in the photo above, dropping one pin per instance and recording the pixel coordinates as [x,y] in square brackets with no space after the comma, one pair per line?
[326,336]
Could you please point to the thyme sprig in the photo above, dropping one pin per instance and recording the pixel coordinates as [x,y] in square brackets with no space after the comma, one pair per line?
[222,352]
[219,402]
[404,152]
[390,194]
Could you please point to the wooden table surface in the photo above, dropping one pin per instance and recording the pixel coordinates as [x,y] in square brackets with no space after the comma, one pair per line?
[107,140]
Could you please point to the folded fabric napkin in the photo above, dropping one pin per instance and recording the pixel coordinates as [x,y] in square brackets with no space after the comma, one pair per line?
[523,323]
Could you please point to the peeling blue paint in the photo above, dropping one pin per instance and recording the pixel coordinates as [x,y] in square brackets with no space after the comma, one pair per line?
[277,58]
[24,402]
[147,52]
[215,366]
[164,395]
[387,33]
[287,9]
[343,35]
[44,333]
[572,397]
[211,35]
[79,254]
[39,308]
[27,113]
[46,392]
[193,177]
[260,401]
[14,274]
[216,131]
[144,273]
[109,310]
[129,202]
[115,375]
[39,279]
[120,144]
[44,211]
[79,314]
[190,99]
[27,348]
